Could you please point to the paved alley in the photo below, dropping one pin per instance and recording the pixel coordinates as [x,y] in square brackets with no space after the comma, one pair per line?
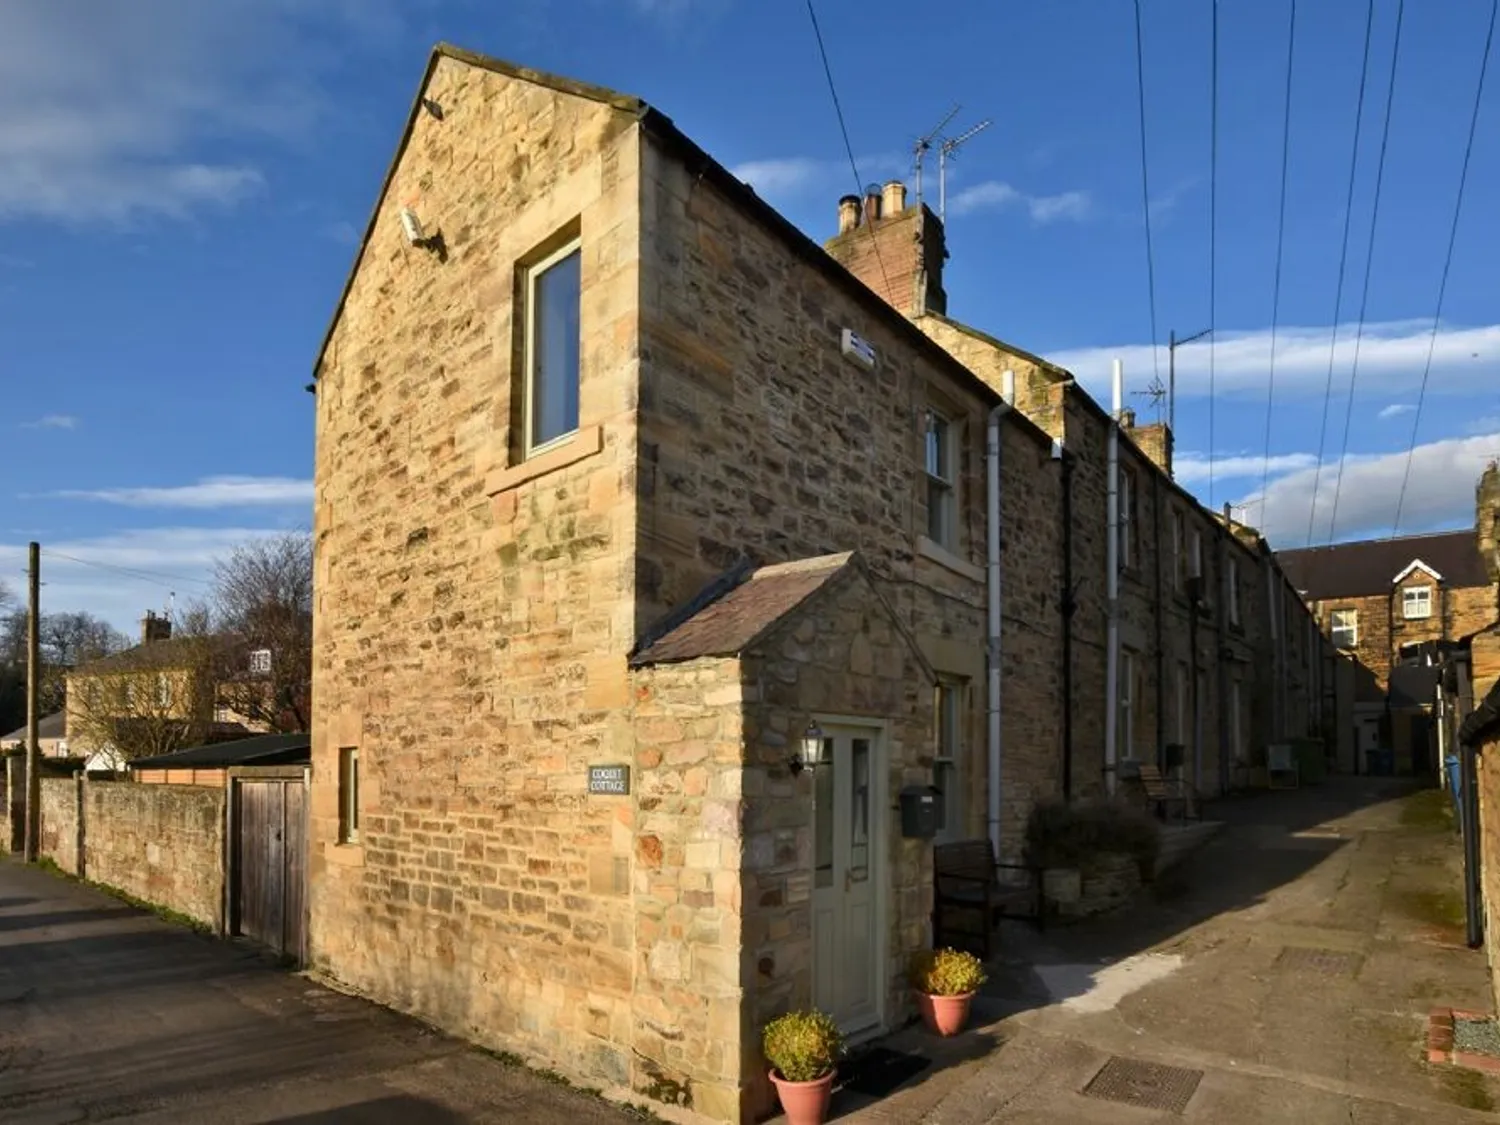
[108,1014]
[1291,963]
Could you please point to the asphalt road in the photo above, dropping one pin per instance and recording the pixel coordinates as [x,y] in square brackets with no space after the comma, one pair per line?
[109,1014]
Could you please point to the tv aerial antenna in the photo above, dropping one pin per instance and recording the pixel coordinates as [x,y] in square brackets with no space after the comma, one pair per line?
[1156,391]
[924,146]
[946,152]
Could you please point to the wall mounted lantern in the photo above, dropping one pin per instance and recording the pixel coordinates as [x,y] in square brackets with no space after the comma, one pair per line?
[811,749]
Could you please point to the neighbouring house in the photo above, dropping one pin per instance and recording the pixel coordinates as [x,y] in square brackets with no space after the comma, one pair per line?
[52,736]
[661,554]
[163,694]
[1395,607]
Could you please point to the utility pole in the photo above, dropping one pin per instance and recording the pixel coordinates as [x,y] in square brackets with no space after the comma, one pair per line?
[1173,343]
[33,691]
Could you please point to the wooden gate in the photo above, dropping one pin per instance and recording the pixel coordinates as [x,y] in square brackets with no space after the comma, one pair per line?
[270,868]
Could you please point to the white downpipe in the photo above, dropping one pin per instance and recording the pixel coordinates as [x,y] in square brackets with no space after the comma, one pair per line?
[1112,589]
[992,653]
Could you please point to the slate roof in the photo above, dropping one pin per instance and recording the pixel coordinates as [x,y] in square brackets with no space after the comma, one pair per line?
[730,623]
[1356,570]
[263,750]
[172,652]
[50,726]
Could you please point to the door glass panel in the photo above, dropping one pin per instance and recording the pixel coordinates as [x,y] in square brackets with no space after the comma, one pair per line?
[859,809]
[823,817]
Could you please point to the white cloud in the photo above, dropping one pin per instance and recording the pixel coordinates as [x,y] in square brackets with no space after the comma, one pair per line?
[789,177]
[1395,410]
[781,176]
[1391,358]
[119,576]
[1190,468]
[114,112]
[52,422]
[211,492]
[342,231]
[1440,493]
[1165,205]
[1043,209]
[1073,205]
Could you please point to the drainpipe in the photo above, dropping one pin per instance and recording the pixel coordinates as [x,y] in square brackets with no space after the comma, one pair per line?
[992,484]
[1112,587]
[1472,901]
[1069,605]
[1221,662]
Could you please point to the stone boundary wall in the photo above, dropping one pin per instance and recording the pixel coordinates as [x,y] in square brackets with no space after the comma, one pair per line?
[163,844]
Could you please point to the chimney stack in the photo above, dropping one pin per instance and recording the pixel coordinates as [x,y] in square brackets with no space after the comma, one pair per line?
[892,198]
[1487,519]
[154,628]
[848,213]
[896,250]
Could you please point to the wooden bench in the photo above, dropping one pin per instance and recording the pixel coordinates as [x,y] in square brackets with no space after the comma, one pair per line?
[1166,792]
[966,879]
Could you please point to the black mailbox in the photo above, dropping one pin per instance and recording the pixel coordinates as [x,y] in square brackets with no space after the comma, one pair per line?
[920,812]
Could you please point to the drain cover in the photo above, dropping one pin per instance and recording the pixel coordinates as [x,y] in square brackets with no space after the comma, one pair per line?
[1325,962]
[1144,1084]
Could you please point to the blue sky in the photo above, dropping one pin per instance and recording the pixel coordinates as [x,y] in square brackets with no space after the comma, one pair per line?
[180,188]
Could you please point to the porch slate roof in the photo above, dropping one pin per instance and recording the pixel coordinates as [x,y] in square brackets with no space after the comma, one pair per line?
[263,750]
[730,623]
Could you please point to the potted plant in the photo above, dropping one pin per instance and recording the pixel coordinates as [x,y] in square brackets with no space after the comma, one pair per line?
[803,1049]
[945,981]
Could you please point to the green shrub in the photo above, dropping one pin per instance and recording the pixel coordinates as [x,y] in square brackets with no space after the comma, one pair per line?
[1062,835]
[946,972]
[802,1046]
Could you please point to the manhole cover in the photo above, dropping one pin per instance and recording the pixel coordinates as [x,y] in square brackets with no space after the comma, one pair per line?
[1148,1085]
[1325,962]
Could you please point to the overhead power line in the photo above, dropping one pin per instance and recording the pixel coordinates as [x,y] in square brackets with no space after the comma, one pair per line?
[1286,136]
[1213,247]
[859,184]
[1140,86]
[1458,206]
[1364,300]
[1338,296]
[152,576]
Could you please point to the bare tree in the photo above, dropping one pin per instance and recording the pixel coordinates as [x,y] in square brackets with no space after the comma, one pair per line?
[262,611]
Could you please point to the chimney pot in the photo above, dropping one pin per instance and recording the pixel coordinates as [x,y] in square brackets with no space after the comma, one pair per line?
[872,204]
[893,198]
[1127,418]
[848,213]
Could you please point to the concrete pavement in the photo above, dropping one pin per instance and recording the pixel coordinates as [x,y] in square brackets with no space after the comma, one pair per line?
[108,1014]
[1288,969]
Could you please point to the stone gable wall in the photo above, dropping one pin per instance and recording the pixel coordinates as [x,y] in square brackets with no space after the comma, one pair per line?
[473,612]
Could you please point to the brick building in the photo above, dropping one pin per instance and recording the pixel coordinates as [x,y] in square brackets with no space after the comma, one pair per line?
[1395,606]
[626,492]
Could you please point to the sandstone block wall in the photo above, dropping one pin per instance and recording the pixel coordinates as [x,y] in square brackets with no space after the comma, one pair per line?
[475,608]
[60,825]
[689,1024]
[161,843]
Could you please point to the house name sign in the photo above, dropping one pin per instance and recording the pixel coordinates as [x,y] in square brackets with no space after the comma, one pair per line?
[613,781]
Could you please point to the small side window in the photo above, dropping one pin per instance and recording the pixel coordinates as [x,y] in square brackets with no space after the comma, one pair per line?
[349,795]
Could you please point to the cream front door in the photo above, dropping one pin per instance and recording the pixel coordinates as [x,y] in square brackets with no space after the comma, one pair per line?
[848,834]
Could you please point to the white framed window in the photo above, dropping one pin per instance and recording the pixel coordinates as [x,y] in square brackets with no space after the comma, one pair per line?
[260,662]
[940,464]
[948,755]
[553,288]
[163,690]
[1127,518]
[1344,628]
[1416,603]
[1232,594]
[349,794]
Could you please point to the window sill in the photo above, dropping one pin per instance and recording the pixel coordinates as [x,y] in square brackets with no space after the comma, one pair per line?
[936,552]
[586,442]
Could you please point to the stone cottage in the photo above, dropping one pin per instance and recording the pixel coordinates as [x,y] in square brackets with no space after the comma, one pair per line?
[656,555]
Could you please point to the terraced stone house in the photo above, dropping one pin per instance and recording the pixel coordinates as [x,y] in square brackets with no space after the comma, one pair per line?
[660,557]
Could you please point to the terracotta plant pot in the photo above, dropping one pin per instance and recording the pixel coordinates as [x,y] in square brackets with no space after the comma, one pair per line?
[944,1015]
[805,1103]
